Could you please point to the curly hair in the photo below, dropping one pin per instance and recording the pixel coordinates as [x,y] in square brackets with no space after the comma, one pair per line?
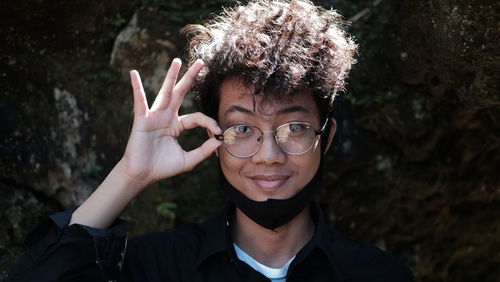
[276,47]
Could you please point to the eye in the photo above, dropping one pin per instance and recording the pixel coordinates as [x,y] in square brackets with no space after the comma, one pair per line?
[297,128]
[243,129]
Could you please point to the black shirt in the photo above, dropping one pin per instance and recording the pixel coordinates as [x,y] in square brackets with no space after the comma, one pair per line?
[193,252]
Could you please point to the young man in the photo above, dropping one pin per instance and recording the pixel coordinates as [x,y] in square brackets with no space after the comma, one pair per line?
[272,70]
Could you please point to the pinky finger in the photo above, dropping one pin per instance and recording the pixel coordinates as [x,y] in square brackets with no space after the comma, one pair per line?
[140,102]
[194,157]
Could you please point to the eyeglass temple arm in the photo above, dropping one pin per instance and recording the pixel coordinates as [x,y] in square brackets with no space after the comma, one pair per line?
[322,130]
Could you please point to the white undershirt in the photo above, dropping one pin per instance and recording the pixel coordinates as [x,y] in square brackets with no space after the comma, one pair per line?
[275,274]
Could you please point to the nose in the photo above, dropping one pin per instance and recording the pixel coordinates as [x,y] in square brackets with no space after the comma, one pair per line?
[269,153]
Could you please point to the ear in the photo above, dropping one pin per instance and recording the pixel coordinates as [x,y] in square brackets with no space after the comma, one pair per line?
[333,129]
[211,135]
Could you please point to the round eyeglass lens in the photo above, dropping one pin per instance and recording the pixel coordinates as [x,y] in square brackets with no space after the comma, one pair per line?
[242,140]
[295,138]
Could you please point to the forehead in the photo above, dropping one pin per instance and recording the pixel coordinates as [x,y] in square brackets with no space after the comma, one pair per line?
[234,93]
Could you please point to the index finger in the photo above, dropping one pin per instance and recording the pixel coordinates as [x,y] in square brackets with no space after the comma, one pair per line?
[199,119]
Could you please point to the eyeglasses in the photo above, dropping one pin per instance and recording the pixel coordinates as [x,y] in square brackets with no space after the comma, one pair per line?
[294,138]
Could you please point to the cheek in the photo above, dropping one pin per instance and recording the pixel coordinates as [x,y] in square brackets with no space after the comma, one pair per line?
[308,166]
[230,165]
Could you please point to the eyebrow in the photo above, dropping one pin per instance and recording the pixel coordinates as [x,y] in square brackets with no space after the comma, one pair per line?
[236,108]
[291,109]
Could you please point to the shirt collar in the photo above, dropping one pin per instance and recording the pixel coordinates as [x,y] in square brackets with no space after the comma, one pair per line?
[324,237]
[341,253]
[217,236]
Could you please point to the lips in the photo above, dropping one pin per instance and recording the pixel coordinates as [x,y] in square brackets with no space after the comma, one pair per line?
[270,183]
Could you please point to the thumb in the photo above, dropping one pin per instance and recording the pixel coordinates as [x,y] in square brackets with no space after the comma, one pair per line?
[194,157]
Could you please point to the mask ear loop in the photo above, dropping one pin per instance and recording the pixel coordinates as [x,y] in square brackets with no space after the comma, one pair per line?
[327,128]
[324,137]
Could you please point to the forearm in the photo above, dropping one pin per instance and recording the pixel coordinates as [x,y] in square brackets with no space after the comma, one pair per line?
[109,200]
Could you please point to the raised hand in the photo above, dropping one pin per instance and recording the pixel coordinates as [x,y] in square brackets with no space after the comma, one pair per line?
[152,151]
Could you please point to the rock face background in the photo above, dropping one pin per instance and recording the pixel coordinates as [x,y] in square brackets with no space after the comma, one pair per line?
[415,168]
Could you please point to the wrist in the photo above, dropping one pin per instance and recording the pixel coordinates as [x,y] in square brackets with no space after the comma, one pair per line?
[131,182]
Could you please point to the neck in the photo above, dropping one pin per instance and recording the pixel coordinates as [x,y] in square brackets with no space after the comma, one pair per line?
[276,247]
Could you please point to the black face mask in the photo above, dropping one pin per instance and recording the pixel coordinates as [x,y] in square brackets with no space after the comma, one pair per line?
[274,213]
